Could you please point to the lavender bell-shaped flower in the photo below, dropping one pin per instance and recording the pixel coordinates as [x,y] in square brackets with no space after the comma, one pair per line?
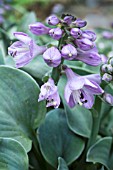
[49,92]
[38,28]
[53,20]
[24,50]
[69,52]
[56,33]
[84,44]
[79,23]
[90,57]
[81,89]
[52,57]
[76,32]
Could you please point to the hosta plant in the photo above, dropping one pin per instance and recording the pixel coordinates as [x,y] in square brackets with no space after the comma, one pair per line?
[56,108]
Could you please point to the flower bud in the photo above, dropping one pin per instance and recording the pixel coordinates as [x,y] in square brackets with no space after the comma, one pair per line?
[107,68]
[52,57]
[53,20]
[38,28]
[76,32]
[79,23]
[108,98]
[107,77]
[89,35]
[56,33]
[84,44]
[68,19]
[69,52]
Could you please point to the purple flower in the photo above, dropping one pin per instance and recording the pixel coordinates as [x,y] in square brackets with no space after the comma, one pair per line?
[107,77]
[24,50]
[56,33]
[107,35]
[79,23]
[49,92]
[76,32]
[69,52]
[84,44]
[108,98]
[38,28]
[53,20]
[89,35]
[90,57]
[52,57]
[68,19]
[81,89]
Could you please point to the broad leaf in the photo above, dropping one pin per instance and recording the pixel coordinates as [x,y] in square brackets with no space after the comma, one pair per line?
[57,140]
[12,155]
[62,164]
[20,112]
[99,152]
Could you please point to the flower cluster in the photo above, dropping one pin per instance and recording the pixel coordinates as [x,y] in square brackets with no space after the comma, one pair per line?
[73,44]
[107,70]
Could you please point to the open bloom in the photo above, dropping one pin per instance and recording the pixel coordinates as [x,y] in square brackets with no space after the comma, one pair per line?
[52,57]
[90,57]
[49,92]
[38,28]
[69,52]
[24,50]
[81,89]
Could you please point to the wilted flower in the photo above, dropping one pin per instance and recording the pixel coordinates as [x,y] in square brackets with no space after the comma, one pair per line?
[38,28]
[53,20]
[79,23]
[84,44]
[90,57]
[56,33]
[76,32]
[108,98]
[49,92]
[81,89]
[69,52]
[24,50]
[52,57]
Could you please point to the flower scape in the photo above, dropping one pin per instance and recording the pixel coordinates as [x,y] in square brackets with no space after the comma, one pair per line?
[73,44]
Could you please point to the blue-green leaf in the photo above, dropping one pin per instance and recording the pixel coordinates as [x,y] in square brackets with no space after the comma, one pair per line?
[99,152]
